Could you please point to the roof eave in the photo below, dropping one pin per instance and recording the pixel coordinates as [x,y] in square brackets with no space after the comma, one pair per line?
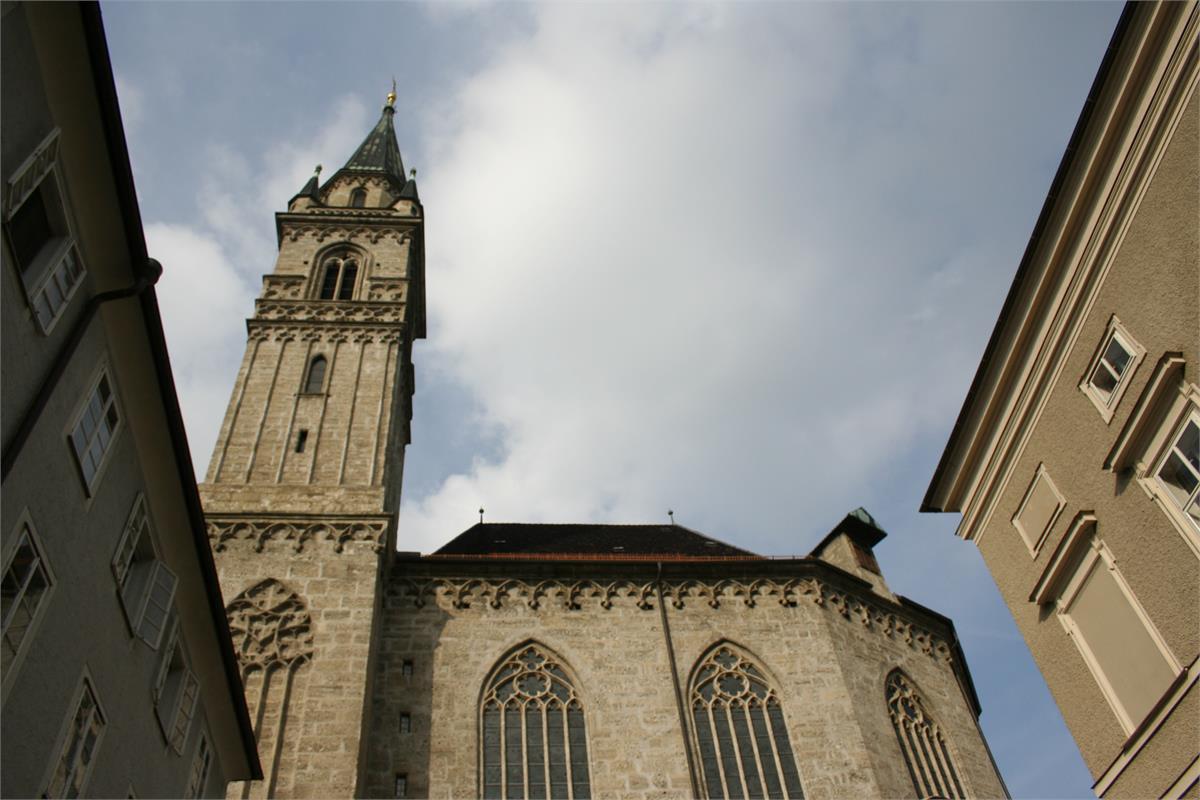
[938,496]
[114,134]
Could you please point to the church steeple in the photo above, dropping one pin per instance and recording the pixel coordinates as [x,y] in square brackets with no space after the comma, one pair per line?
[379,154]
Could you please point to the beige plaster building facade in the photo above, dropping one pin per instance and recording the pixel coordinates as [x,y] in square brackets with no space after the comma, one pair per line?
[532,661]
[118,671]
[1075,461]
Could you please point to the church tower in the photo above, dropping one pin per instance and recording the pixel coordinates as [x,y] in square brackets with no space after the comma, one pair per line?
[303,489]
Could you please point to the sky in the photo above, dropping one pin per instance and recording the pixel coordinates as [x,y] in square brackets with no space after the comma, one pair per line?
[735,260]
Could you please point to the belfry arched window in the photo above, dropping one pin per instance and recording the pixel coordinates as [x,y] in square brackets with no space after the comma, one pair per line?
[314,381]
[358,198]
[740,732]
[921,741]
[338,275]
[534,741]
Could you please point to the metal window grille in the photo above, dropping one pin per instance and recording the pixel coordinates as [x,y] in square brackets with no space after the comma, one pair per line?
[925,752]
[533,730]
[740,732]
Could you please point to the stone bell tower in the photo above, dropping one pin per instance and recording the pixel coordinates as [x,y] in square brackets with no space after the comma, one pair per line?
[303,489]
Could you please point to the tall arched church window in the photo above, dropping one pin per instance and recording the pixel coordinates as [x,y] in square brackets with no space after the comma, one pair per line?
[925,752]
[534,742]
[358,198]
[314,382]
[740,731]
[338,277]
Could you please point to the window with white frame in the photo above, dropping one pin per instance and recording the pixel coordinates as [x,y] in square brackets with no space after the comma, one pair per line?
[201,765]
[176,692]
[78,754]
[40,235]
[1111,369]
[146,585]
[95,429]
[1122,648]
[1178,471]
[26,585]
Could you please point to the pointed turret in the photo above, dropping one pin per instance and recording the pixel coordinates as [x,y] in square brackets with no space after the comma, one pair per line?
[379,154]
[308,193]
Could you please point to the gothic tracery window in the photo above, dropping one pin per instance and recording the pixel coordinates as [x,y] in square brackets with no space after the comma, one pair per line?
[358,198]
[338,276]
[532,727]
[925,752]
[740,731]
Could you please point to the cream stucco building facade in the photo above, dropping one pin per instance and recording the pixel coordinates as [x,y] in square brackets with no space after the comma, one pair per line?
[1075,461]
[527,660]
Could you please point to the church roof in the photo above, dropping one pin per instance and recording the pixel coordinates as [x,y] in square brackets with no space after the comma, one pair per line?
[585,542]
[379,153]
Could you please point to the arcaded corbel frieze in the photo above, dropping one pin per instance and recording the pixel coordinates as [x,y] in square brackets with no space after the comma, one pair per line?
[283,287]
[466,593]
[381,312]
[297,532]
[324,231]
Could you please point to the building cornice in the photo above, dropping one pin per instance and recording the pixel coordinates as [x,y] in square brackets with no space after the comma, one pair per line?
[1136,101]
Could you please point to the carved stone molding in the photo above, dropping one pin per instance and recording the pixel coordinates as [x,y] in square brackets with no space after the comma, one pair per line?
[321,231]
[297,532]
[329,311]
[465,593]
[285,331]
[387,290]
[283,287]
[270,625]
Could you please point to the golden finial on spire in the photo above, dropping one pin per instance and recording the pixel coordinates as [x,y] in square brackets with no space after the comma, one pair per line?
[391,98]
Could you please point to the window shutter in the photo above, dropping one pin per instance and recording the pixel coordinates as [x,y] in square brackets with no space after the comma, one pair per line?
[157,608]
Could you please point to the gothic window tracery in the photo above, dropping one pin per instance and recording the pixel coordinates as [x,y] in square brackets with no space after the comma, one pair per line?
[921,741]
[358,198]
[339,272]
[270,625]
[740,731]
[534,741]
[314,382]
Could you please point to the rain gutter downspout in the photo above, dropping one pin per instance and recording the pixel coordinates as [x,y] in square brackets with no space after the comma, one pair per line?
[12,449]
[679,705]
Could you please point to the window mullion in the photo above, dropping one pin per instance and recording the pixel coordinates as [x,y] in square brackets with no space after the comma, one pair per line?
[762,777]
[566,733]
[712,725]
[775,749]
[504,751]
[525,748]
[737,751]
[543,712]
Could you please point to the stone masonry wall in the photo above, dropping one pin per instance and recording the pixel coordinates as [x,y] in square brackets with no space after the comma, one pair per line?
[310,718]
[828,654]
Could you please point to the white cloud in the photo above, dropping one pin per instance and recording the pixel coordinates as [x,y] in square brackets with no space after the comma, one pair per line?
[671,273]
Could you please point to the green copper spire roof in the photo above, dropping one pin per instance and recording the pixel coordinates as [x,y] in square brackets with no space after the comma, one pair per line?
[379,154]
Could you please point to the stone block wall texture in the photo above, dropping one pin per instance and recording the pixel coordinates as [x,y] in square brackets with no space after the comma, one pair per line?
[829,668]
[309,712]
